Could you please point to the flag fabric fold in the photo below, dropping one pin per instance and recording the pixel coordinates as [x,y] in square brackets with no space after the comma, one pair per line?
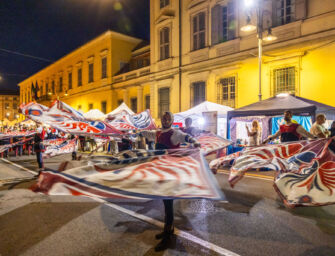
[67,146]
[140,121]
[66,119]
[305,170]
[161,174]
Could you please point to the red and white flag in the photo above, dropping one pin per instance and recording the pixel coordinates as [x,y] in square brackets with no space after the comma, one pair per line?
[181,173]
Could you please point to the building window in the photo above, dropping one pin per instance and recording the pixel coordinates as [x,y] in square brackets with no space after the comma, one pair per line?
[80,81]
[284,80]
[46,88]
[14,106]
[198,93]
[284,11]
[133,104]
[119,102]
[104,67]
[41,90]
[164,43]
[147,101]
[15,98]
[90,72]
[60,84]
[79,107]
[90,106]
[104,107]
[164,100]
[223,23]
[6,105]
[70,80]
[163,3]
[53,87]
[227,91]
[199,31]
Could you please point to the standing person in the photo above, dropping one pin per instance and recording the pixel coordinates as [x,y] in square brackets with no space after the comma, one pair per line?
[39,147]
[318,129]
[332,129]
[254,134]
[168,138]
[290,131]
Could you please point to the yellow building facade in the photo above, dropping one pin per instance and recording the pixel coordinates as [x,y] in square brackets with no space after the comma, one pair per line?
[9,106]
[198,52]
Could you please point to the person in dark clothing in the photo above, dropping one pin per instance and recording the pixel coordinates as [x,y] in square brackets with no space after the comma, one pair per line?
[39,147]
[290,131]
[332,129]
[168,138]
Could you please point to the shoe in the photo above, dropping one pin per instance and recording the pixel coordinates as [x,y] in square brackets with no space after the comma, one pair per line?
[166,232]
[164,244]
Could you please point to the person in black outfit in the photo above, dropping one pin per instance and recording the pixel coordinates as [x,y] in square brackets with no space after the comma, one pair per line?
[332,129]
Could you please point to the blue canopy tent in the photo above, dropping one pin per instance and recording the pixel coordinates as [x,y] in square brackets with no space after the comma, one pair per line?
[264,111]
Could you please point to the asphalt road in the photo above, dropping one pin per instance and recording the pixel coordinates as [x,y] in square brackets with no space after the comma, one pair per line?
[253,221]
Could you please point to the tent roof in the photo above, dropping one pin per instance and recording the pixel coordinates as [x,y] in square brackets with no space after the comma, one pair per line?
[275,106]
[94,114]
[123,108]
[205,106]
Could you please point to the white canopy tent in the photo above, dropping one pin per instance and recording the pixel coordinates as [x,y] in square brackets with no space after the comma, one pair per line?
[120,110]
[196,114]
[94,114]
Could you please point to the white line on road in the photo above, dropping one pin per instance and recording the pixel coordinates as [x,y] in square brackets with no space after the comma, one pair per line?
[183,234]
[19,166]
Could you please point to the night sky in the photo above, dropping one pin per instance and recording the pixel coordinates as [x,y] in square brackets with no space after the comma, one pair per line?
[49,29]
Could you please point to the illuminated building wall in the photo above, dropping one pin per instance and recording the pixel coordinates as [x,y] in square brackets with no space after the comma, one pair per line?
[218,61]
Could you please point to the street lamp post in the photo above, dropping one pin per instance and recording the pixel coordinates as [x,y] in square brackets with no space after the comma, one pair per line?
[249,27]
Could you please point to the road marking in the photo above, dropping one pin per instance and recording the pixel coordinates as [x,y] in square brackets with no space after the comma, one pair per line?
[251,175]
[178,232]
[19,166]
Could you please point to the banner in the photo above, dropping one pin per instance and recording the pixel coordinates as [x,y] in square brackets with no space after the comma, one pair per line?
[67,146]
[181,173]
[141,121]
[66,119]
[305,170]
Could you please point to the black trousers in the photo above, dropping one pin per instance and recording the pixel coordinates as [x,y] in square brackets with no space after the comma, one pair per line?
[168,206]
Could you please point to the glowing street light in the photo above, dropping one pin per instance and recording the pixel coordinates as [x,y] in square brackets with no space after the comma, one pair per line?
[269,36]
[249,27]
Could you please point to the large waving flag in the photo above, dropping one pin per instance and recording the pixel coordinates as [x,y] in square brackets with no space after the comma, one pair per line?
[180,173]
[66,119]
[210,142]
[140,121]
[67,146]
[305,170]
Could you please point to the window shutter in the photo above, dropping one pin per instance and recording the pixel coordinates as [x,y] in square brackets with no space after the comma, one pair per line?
[231,20]
[300,9]
[276,10]
[267,15]
[215,24]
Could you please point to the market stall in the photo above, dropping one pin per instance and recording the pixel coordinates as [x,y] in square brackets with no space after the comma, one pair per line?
[269,113]
[203,113]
